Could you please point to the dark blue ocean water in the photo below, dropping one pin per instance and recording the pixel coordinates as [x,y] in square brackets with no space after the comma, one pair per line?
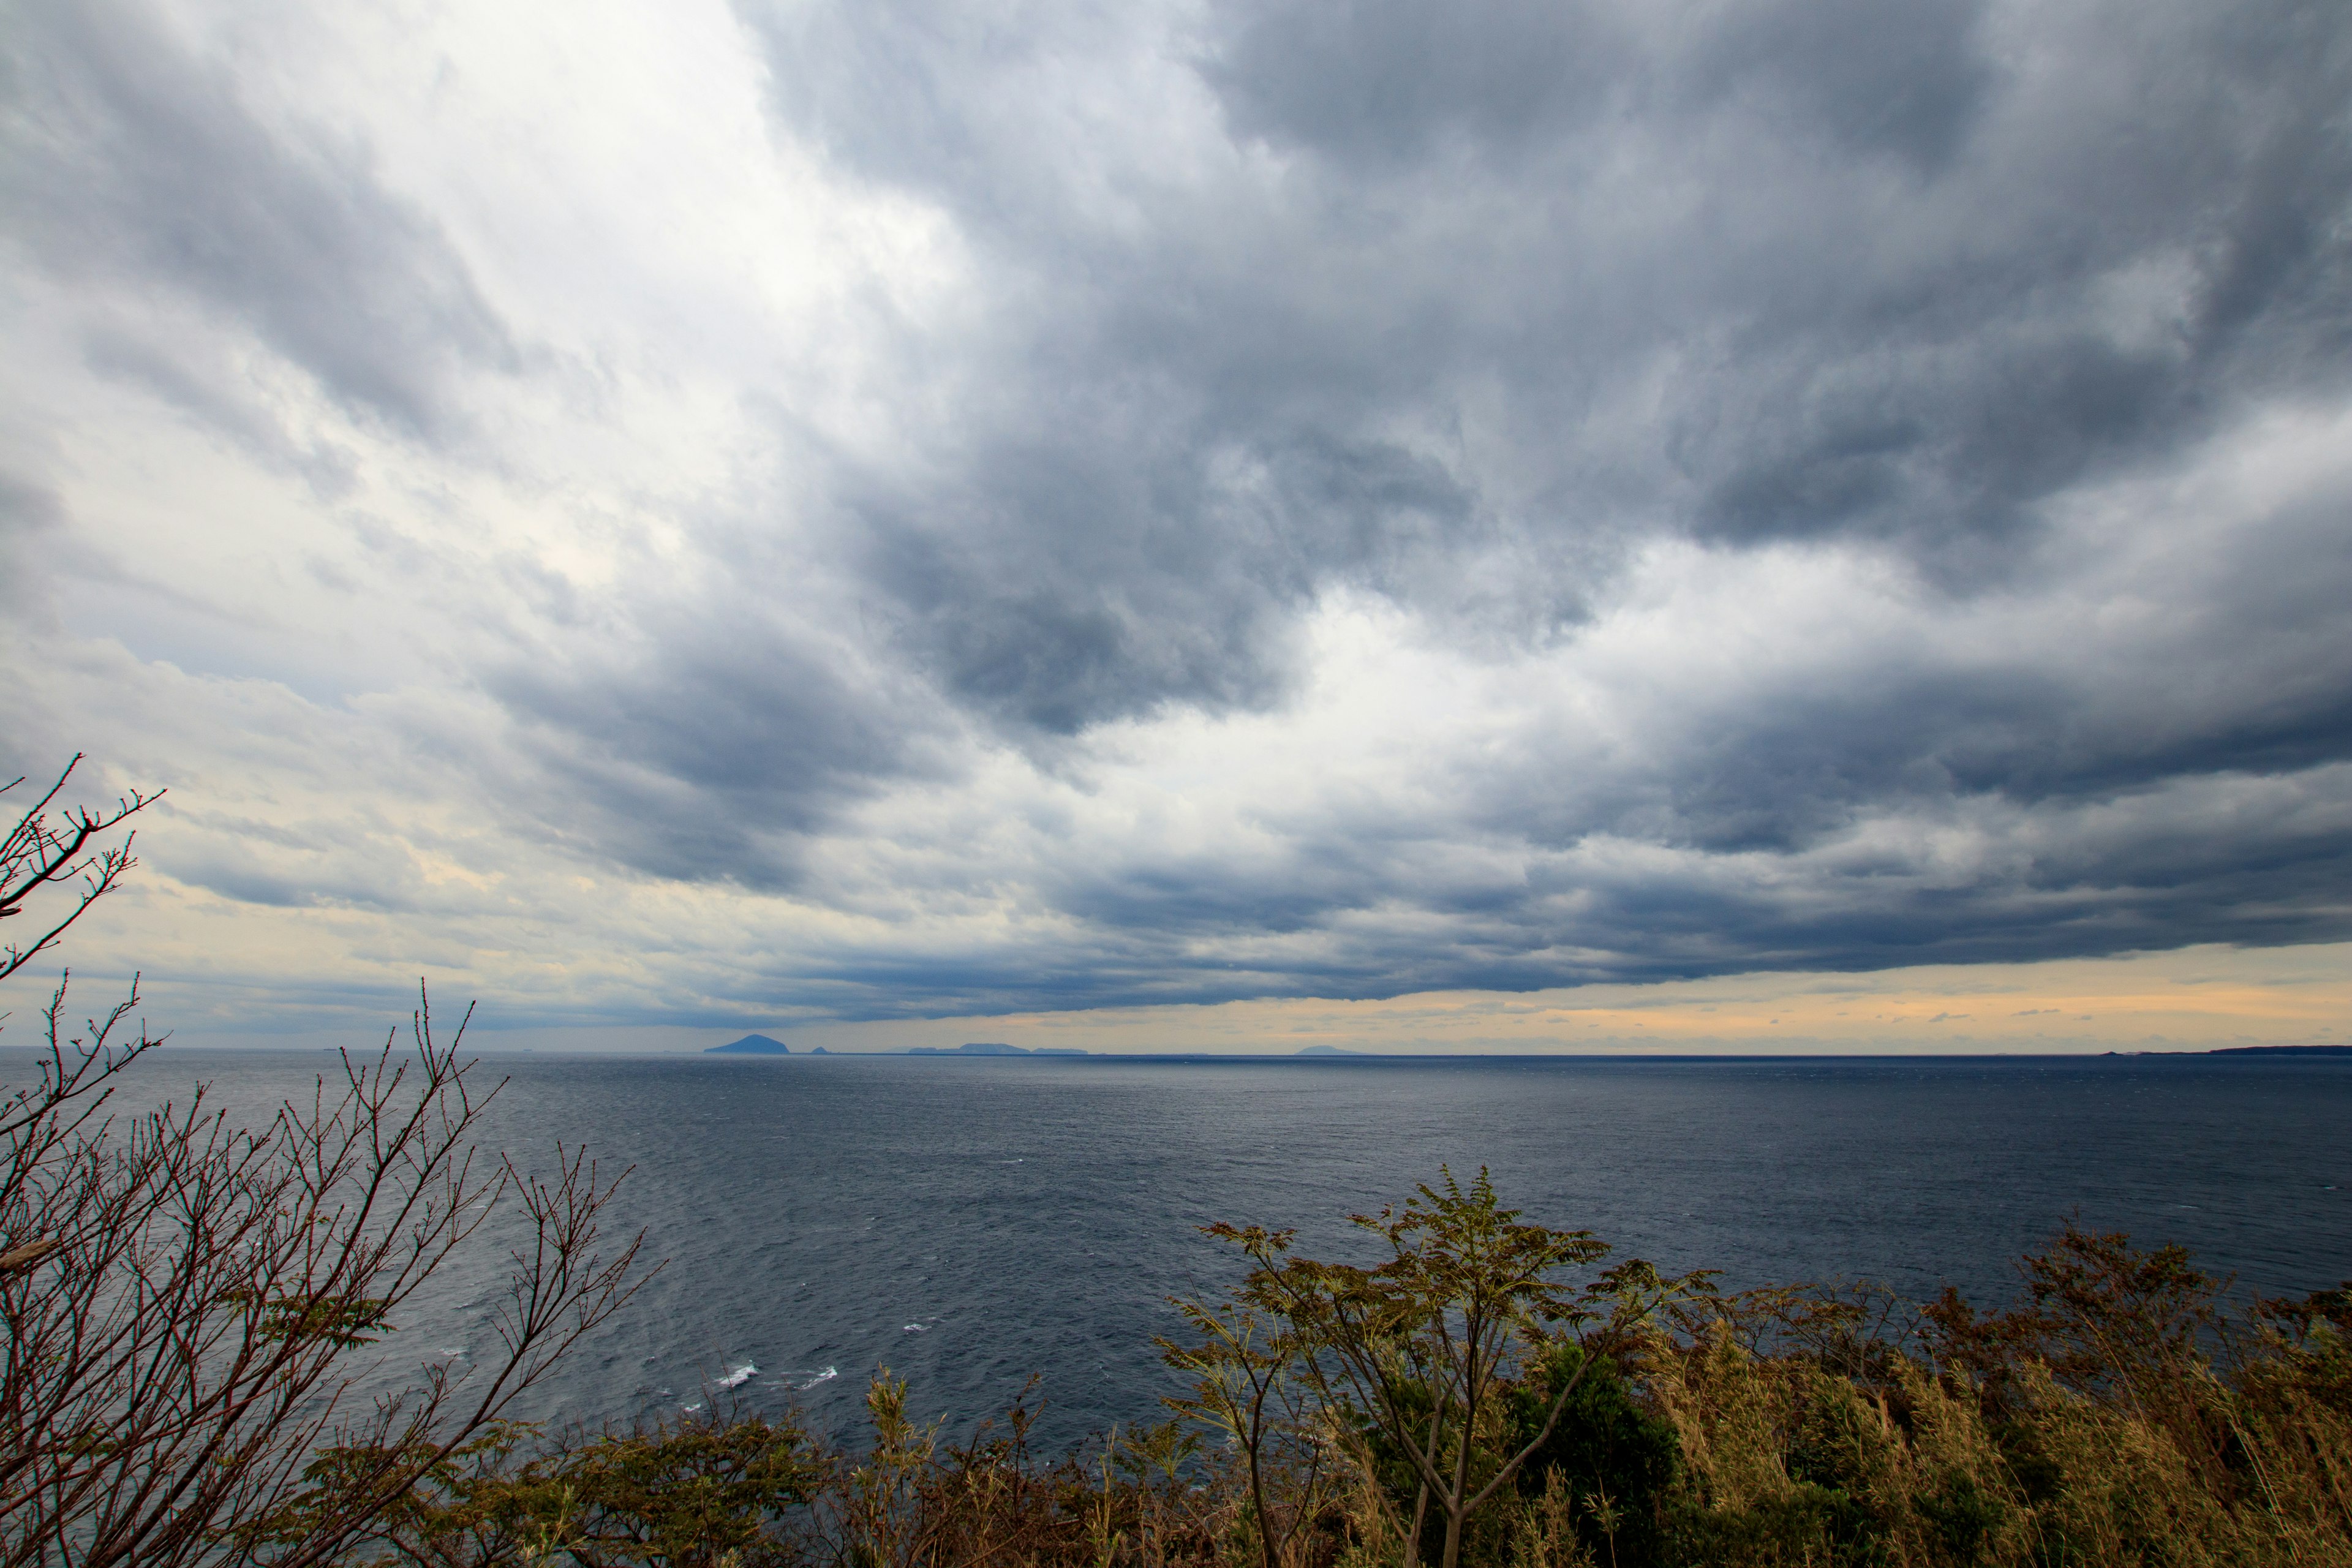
[969,1223]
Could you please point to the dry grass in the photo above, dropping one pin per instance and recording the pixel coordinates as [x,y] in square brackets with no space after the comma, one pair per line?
[2117,1414]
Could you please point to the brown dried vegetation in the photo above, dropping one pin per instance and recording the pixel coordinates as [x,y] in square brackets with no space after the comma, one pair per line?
[2118,1415]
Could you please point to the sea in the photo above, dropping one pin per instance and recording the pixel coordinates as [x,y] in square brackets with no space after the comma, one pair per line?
[994,1228]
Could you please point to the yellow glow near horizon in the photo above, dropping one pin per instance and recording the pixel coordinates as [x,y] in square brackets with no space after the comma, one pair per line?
[2189,1000]
[2193,999]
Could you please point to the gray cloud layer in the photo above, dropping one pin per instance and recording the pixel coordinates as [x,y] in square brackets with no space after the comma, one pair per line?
[1467,312]
[132,158]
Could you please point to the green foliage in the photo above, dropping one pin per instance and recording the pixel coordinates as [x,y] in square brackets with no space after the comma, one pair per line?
[345,1324]
[1617,1461]
[1608,1464]
[693,1494]
[1411,1357]
[2118,1413]
[1650,1424]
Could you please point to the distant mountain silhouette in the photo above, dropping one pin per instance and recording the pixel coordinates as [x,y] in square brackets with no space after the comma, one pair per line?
[1327,1051]
[2280,1051]
[752,1046]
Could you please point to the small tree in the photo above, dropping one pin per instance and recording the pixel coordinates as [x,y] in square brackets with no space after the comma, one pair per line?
[1422,1347]
[1248,1384]
[183,1298]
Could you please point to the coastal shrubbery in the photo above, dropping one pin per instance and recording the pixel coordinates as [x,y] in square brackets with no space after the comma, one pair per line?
[2116,1413]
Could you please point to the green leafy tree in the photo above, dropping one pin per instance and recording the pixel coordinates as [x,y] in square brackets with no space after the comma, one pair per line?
[1420,1348]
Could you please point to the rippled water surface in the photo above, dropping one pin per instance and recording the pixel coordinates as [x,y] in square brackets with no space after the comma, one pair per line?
[969,1223]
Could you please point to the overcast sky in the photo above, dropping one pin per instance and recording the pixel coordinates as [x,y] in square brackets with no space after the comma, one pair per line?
[688,516]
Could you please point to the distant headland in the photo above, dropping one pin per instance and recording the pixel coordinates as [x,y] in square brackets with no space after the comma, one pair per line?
[993,1048]
[768,1045]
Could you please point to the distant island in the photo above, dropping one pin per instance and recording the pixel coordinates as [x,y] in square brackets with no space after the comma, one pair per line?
[752,1046]
[993,1048]
[1327,1051]
[2280,1051]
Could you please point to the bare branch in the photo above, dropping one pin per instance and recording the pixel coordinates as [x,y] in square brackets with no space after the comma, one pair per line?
[186,1306]
[44,852]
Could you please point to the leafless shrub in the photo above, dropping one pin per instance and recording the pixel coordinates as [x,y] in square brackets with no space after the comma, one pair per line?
[187,1302]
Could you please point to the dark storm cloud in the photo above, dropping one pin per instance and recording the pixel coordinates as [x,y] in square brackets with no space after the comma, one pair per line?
[1064,591]
[1896,279]
[1938,403]
[712,744]
[128,155]
[1891,278]
[1379,82]
[1370,82]
[1092,572]
[1891,282]
[1330,920]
